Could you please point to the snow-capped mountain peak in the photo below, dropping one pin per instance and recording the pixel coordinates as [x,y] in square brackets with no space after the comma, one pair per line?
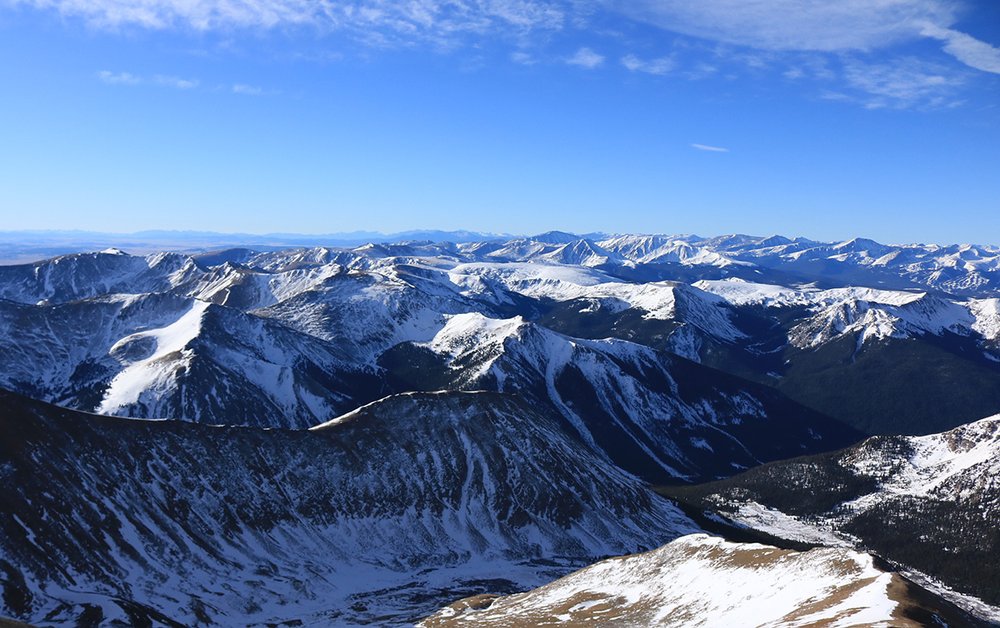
[581,253]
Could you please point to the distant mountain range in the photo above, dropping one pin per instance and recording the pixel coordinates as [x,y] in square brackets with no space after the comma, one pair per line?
[334,313]
[954,268]
[28,246]
[370,432]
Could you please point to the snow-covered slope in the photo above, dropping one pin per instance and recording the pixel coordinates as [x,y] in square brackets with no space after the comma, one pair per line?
[380,516]
[393,505]
[885,361]
[961,269]
[699,580]
[866,313]
[651,413]
[72,277]
[62,352]
[146,359]
[683,315]
[928,503]
[658,249]
[581,253]
[968,270]
[953,466]
[366,313]
[987,315]
[288,339]
[902,317]
[162,355]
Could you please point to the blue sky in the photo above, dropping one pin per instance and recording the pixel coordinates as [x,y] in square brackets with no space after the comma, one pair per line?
[827,119]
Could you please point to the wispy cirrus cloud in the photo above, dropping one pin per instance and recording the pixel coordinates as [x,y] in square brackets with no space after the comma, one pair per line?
[901,83]
[523,58]
[658,66]
[375,21]
[833,26]
[823,41]
[709,149]
[247,90]
[174,81]
[784,25]
[127,78]
[118,78]
[969,50]
[586,58]
[846,47]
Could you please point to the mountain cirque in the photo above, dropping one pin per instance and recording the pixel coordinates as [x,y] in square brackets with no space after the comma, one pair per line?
[372,518]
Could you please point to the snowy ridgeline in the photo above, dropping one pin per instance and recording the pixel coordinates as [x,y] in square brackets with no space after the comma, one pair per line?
[699,580]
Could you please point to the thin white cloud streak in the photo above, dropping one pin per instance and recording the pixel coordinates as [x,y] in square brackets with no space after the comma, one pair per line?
[586,58]
[247,90]
[820,25]
[127,78]
[793,29]
[522,58]
[710,149]
[788,25]
[174,82]
[967,49]
[118,78]
[659,66]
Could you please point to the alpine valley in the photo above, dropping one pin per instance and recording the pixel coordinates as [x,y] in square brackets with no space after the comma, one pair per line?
[601,429]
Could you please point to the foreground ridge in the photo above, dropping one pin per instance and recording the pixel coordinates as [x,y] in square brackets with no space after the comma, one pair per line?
[703,580]
[418,499]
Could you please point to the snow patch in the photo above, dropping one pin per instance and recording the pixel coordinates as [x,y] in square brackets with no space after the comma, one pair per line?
[159,367]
